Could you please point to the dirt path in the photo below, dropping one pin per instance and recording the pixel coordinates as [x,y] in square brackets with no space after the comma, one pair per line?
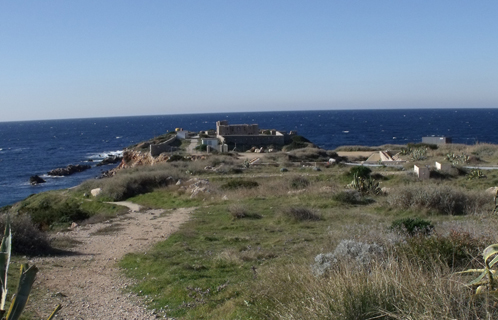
[88,284]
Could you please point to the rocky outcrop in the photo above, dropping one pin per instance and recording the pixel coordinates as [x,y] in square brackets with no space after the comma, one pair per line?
[110,160]
[69,170]
[34,180]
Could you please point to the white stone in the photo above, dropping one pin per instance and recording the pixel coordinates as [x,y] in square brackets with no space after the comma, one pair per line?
[96,192]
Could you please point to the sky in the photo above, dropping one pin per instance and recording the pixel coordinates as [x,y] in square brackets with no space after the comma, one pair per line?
[79,59]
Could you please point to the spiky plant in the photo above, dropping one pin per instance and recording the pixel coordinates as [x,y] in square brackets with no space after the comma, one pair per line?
[487,281]
[24,285]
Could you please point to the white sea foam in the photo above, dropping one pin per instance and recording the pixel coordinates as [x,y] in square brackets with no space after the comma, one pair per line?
[105,154]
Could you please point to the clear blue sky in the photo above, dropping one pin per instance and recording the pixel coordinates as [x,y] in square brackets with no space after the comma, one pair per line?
[71,59]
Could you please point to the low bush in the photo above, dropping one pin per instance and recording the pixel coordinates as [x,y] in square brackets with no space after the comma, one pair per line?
[456,250]
[398,288]
[412,226]
[440,199]
[301,214]
[239,212]
[176,157]
[359,171]
[422,145]
[239,184]
[350,197]
[52,209]
[299,183]
[124,186]
[27,239]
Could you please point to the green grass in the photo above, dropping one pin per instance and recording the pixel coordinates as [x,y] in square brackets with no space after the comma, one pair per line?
[213,251]
[165,198]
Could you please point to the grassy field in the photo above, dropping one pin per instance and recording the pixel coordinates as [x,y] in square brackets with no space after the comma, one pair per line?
[265,243]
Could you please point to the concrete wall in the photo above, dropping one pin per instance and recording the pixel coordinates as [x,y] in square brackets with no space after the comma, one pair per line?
[436,140]
[443,167]
[157,149]
[422,172]
[212,142]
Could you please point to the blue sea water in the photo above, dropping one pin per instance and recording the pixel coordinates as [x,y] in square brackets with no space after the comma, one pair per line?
[35,147]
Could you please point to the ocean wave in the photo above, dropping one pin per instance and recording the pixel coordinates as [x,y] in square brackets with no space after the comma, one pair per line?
[104,154]
[46,176]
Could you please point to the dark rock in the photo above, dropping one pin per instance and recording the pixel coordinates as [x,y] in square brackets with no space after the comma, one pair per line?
[34,180]
[106,174]
[69,170]
[110,160]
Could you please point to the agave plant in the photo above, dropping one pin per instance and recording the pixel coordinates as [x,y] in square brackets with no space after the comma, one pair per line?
[24,285]
[487,281]
[364,185]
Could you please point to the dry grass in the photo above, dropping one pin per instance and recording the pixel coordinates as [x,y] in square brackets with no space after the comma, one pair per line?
[396,288]
[301,214]
[441,199]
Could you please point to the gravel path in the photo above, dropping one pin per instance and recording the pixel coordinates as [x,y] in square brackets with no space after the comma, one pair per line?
[88,284]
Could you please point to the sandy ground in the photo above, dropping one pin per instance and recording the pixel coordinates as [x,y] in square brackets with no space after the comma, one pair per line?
[88,283]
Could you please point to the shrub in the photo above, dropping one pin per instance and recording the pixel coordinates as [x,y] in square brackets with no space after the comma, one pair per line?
[27,238]
[53,210]
[350,197]
[238,184]
[299,183]
[359,171]
[456,250]
[301,214]
[360,254]
[176,157]
[440,199]
[422,145]
[412,226]
[239,212]
[129,183]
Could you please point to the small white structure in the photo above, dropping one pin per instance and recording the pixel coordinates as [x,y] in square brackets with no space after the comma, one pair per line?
[443,167]
[212,142]
[422,173]
[182,134]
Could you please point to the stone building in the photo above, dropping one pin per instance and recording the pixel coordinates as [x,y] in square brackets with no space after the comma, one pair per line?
[245,136]
[225,129]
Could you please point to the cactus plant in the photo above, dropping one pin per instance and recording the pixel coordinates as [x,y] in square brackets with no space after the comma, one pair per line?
[487,281]
[24,285]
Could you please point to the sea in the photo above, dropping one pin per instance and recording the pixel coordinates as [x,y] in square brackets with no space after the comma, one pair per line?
[35,147]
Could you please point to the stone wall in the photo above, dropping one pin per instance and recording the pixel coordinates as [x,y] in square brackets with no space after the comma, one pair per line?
[157,149]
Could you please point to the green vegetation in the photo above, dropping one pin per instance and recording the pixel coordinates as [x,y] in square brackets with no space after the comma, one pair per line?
[239,183]
[412,226]
[250,247]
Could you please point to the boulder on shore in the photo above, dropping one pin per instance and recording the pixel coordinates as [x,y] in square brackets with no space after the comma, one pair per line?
[110,160]
[34,180]
[69,170]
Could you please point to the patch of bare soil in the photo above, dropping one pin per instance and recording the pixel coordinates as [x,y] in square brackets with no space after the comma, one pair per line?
[87,282]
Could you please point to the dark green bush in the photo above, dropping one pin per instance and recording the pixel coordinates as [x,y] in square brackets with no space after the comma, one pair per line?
[299,183]
[360,171]
[412,226]
[238,184]
[202,147]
